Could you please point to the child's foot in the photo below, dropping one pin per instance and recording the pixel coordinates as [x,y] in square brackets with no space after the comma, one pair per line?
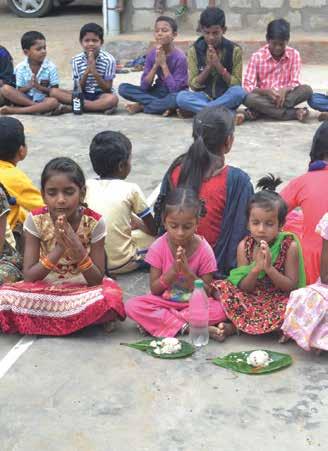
[283,339]
[109,327]
[142,331]
[168,113]
[110,111]
[323,117]
[246,115]
[183,114]
[221,331]
[302,114]
[134,108]
[61,109]
[5,110]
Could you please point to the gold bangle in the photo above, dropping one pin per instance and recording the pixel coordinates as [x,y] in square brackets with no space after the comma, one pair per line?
[47,264]
[86,265]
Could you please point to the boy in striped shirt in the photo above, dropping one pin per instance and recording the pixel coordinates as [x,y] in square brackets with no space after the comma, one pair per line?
[95,70]
[272,79]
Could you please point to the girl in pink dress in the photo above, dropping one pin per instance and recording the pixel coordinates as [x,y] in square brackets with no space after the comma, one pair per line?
[176,259]
[306,319]
[309,192]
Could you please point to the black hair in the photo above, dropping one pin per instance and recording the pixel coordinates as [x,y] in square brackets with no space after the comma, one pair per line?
[182,199]
[66,166]
[12,137]
[212,16]
[30,37]
[278,29]
[211,127]
[107,150]
[92,28]
[268,198]
[319,149]
[169,20]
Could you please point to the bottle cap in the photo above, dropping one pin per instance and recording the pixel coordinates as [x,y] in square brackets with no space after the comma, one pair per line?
[199,283]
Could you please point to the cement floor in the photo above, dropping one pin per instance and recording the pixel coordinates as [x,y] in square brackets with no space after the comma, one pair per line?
[87,393]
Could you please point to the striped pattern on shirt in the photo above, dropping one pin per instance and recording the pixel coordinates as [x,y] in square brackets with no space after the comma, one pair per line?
[264,72]
[105,65]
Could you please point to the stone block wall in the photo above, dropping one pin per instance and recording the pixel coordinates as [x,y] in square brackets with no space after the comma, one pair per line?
[307,15]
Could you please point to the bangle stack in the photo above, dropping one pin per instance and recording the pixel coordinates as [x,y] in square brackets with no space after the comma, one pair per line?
[85,263]
[47,264]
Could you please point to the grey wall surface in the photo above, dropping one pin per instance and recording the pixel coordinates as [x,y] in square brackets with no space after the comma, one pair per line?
[307,15]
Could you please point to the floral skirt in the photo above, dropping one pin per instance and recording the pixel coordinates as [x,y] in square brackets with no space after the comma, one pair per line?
[40,308]
[306,318]
[255,313]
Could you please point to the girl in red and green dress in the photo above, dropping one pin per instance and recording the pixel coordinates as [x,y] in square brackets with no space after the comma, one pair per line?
[269,266]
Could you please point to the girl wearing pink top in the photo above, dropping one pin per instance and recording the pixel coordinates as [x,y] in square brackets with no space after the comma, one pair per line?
[309,192]
[176,259]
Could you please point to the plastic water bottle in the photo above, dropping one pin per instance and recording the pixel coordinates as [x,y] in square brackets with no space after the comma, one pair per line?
[77,97]
[198,307]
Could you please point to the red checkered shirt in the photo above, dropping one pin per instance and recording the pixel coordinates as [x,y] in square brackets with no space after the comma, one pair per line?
[264,72]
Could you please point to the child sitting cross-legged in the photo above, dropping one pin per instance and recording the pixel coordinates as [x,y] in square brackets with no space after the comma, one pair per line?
[165,74]
[64,289]
[95,69]
[270,266]
[121,203]
[35,77]
[176,260]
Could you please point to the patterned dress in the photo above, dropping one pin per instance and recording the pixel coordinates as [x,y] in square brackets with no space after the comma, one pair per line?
[61,303]
[306,318]
[263,310]
[10,260]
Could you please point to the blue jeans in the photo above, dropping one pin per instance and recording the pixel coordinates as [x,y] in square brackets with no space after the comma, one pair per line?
[156,100]
[196,101]
[319,102]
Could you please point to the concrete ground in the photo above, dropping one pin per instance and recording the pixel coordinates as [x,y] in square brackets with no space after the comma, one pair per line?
[87,393]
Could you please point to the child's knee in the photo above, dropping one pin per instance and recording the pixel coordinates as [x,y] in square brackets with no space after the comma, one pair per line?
[53,92]
[6,89]
[52,102]
[112,100]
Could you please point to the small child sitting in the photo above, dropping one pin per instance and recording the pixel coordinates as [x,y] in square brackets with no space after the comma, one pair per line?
[24,195]
[122,204]
[35,76]
[165,62]
[7,76]
[95,69]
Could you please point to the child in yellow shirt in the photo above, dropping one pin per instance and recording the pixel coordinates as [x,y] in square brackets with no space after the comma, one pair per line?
[24,196]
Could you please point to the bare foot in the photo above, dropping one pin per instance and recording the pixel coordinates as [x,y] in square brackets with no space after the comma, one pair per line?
[6,110]
[142,331]
[302,114]
[109,327]
[283,339]
[239,118]
[323,117]
[61,109]
[134,108]
[168,113]
[183,114]
[221,331]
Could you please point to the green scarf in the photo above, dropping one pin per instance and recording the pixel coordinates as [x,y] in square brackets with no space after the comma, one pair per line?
[237,274]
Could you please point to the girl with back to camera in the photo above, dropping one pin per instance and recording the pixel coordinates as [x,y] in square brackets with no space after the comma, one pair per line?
[64,263]
[306,318]
[225,189]
[270,266]
[176,259]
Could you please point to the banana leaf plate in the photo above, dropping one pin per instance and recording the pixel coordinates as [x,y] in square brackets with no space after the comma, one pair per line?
[237,361]
[187,349]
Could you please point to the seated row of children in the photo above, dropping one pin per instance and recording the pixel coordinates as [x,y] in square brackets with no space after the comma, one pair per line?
[215,228]
[212,70]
